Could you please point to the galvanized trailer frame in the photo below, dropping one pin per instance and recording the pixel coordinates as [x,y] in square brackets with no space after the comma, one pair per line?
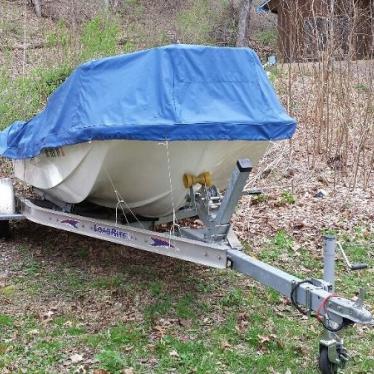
[215,245]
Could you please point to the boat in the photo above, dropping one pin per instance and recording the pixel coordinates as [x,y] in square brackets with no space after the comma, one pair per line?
[127,129]
[105,172]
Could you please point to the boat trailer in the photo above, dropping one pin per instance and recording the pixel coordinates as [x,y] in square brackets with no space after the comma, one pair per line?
[214,244]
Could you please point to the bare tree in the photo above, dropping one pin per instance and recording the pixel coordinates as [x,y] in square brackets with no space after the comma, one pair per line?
[244,20]
[37,7]
[106,4]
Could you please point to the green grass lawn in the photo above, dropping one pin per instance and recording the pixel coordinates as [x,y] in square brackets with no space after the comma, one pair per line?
[73,304]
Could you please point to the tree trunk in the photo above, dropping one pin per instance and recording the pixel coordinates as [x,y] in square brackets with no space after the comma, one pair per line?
[37,7]
[244,20]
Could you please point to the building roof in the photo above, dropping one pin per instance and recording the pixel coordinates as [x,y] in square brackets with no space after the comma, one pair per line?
[268,6]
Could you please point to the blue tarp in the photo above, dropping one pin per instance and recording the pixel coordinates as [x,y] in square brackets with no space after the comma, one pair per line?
[176,92]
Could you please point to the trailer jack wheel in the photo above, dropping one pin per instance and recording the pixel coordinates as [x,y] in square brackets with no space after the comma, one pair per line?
[325,365]
[332,356]
[4,230]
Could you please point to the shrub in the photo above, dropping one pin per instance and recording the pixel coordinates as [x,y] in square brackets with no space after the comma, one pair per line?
[267,38]
[196,24]
[99,37]
[23,97]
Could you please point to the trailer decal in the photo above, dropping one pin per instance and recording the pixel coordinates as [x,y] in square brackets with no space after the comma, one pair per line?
[111,232]
[71,222]
[161,243]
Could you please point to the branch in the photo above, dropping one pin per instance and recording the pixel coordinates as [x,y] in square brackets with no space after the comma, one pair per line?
[244,20]
[23,46]
[37,7]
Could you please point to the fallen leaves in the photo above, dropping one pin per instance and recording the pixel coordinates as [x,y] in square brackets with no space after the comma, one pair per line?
[264,339]
[225,345]
[76,358]
[173,353]
[242,322]
[4,276]
[127,371]
[185,322]
[48,316]
[128,348]
[33,332]
[254,222]
[159,331]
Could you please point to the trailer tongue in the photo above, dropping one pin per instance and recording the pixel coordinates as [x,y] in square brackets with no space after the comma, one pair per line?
[213,245]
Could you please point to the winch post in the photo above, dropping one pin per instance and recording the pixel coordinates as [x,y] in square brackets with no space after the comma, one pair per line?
[219,227]
[329,250]
[234,191]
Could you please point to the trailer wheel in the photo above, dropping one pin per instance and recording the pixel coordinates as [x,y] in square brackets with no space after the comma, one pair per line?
[4,230]
[325,365]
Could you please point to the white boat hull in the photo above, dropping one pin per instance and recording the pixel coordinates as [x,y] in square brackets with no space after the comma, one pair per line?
[147,175]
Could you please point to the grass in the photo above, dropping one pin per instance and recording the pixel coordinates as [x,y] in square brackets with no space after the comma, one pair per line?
[274,73]
[361,87]
[5,321]
[287,198]
[99,37]
[156,317]
[21,98]
[261,198]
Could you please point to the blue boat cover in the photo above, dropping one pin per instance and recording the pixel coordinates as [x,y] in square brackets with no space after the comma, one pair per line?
[176,92]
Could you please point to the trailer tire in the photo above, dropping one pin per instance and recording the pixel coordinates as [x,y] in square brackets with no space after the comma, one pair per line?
[4,230]
[325,366]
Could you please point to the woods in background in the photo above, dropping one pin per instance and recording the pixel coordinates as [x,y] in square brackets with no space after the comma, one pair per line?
[327,88]
[241,12]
